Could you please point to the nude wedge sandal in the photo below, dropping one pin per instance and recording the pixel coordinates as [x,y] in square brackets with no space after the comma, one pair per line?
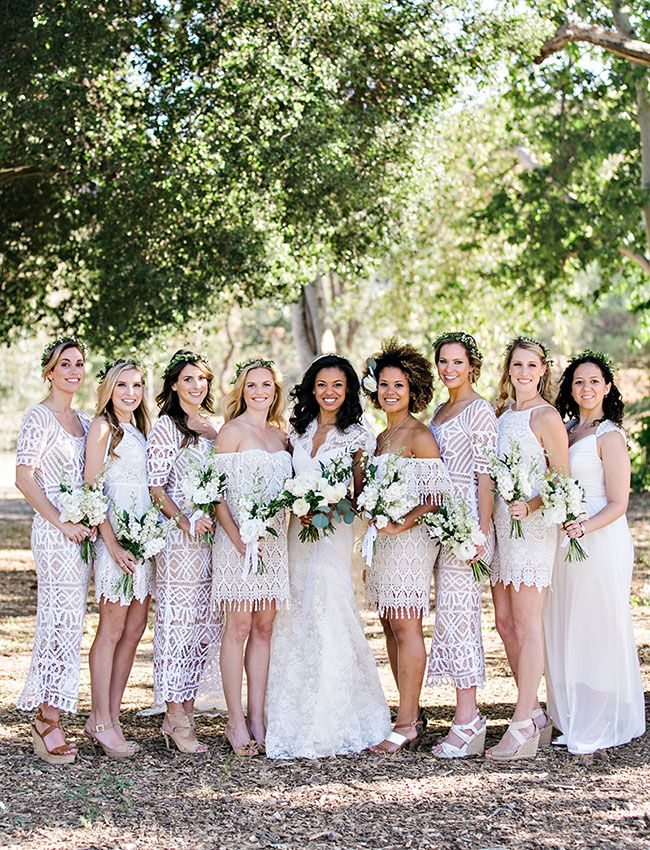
[545,732]
[473,744]
[527,748]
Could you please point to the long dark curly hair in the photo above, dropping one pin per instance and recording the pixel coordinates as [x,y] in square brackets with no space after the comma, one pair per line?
[613,404]
[412,363]
[306,408]
[167,398]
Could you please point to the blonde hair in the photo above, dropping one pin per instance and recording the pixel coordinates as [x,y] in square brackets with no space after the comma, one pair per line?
[506,390]
[104,405]
[54,350]
[233,404]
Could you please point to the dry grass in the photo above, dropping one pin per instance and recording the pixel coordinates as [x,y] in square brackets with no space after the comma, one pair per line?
[165,800]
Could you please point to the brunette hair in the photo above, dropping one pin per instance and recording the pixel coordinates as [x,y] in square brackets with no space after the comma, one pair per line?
[506,391]
[467,341]
[613,404]
[306,407]
[53,351]
[108,381]
[233,403]
[412,363]
[167,398]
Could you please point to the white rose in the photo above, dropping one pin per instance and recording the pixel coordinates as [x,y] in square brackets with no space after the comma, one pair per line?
[554,516]
[300,507]
[381,521]
[464,551]
[369,384]
[478,538]
[394,492]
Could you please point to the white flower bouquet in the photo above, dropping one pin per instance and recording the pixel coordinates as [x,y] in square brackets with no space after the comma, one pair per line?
[87,505]
[563,501]
[514,480]
[203,486]
[383,499]
[144,536]
[323,495]
[255,510]
[454,526]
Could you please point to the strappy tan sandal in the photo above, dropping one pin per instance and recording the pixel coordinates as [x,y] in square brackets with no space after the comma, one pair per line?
[63,754]
[181,731]
[546,731]
[527,748]
[473,743]
[402,742]
[124,752]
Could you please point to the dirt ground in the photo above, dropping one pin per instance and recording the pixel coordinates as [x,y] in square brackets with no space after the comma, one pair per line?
[162,799]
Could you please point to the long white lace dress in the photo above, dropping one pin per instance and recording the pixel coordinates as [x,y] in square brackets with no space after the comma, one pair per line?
[595,692]
[399,580]
[185,626]
[62,576]
[125,484]
[251,590]
[456,656]
[324,697]
[528,561]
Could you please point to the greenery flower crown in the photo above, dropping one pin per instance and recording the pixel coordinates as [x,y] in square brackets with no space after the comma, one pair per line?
[184,357]
[256,361]
[51,346]
[108,365]
[590,354]
[519,339]
[459,336]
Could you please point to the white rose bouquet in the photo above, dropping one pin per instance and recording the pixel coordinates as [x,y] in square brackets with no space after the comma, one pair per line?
[203,486]
[514,480]
[383,499]
[454,526]
[323,495]
[87,505]
[255,511]
[144,536]
[563,501]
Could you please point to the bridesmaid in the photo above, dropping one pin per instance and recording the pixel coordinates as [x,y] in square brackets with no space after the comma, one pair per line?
[399,579]
[252,448]
[185,627]
[51,450]
[463,426]
[595,693]
[522,569]
[116,445]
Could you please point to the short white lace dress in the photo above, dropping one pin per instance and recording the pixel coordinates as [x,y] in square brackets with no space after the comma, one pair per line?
[185,624]
[324,696]
[398,583]
[528,561]
[125,484]
[56,456]
[252,590]
[595,691]
[456,656]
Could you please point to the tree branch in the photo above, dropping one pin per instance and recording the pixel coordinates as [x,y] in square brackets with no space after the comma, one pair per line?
[639,259]
[614,42]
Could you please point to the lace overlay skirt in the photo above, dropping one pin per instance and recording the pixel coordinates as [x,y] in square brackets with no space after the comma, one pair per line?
[528,561]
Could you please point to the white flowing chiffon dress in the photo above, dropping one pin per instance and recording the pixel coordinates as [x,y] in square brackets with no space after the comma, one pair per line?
[324,696]
[595,694]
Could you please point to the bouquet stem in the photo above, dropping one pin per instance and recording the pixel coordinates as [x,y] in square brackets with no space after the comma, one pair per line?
[516,530]
[87,550]
[125,587]
[481,569]
[576,552]
[308,534]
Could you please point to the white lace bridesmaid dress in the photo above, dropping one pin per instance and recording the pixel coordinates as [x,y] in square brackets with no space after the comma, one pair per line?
[324,697]
[56,456]
[125,484]
[595,692]
[254,590]
[528,561]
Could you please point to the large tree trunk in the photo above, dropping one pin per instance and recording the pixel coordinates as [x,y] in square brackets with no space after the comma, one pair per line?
[310,320]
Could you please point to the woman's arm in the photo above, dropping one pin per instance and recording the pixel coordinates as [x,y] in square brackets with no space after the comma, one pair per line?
[27,485]
[228,440]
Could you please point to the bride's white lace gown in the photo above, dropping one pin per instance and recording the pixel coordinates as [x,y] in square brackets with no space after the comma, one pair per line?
[595,693]
[324,696]
[56,456]
[125,484]
[399,580]
[253,590]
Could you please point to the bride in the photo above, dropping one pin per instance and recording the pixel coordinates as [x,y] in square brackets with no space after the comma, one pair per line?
[324,695]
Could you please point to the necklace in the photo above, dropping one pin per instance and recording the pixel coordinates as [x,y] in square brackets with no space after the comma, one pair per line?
[391,431]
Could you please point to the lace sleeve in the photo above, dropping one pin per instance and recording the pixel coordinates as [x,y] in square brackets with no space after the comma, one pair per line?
[484,432]
[361,437]
[33,437]
[607,426]
[163,446]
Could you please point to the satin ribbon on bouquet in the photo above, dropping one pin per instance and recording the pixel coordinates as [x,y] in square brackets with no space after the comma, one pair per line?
[196,516]
[368,544]
[251,559]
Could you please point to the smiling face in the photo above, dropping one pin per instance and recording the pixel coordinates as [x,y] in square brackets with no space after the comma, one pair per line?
[589,388]
[393,390]
[259,389]
[127,394]
[525,371]
[330,387]
[454,368]
[68,373]
[191,385]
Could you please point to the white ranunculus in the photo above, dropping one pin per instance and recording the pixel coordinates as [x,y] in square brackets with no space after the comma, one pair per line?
[465,550]
[381,521]
[369,384]
[300,507]
[334,493]
[252,529]
[554,516]
[394,492]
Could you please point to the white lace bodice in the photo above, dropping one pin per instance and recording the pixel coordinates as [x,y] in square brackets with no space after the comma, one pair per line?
[167,462]
[242,468]
[515,425]
[426,477]
[125,481]
[353,439]
[585,465]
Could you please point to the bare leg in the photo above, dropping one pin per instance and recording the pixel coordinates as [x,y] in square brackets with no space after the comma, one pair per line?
[136,622]
[466,710]
[235,634]
[391,646]
[505,625]
[112,620]
[258,653]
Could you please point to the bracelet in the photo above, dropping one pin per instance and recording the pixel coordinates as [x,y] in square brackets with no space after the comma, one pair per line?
[528,510]
[175,518]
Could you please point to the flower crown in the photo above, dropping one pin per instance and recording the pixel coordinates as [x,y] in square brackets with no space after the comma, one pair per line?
[51,346]
[108,365]
[519,339]
[369,381]
[459,336]
[590,354]
[183,357]
[256,361]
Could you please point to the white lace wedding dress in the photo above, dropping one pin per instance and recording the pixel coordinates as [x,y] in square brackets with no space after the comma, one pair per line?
[324,696]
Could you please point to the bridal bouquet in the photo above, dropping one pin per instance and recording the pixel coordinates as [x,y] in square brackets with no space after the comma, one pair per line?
[514,480]
[203,486]
[323,495]
[383,499]
[144,536]
[86,505]
[563,501]
[255,510]
[459,529]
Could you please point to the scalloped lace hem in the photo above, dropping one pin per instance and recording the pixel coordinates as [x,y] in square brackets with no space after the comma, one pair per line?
[539,585]
[459,682]
[66,704]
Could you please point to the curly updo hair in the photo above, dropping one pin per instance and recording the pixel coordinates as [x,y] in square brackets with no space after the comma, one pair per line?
[306,408]
[613,404]
[412,363]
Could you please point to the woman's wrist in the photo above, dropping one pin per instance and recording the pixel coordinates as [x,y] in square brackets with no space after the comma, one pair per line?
[529,509]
